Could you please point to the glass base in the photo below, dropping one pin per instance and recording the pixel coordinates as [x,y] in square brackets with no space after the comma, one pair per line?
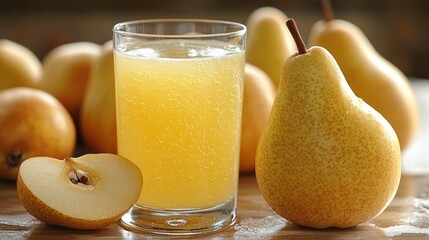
[180,222]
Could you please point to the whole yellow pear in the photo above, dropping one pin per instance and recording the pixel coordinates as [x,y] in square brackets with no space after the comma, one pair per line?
[258,98]
[98,113]
[268,41]
[66,71]
[33,123]
[19,67]
[374,79]
[325,158]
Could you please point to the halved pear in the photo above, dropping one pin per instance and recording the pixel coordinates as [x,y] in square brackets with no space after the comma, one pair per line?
[88,192]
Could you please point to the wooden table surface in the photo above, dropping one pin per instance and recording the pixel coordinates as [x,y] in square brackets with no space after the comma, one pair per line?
[407,217]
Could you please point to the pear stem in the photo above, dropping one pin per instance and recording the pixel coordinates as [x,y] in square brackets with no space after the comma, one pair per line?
[328,12]
[293,29]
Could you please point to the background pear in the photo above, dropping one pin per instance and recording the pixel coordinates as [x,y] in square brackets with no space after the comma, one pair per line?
[33,123]
[374,79]
[19,67]
[268,41]
[66,71]
[98,113]
[325,158]
[258,98]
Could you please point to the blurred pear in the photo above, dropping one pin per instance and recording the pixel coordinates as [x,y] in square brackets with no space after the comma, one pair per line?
[374,79]
[269,42]
[98,113]
[258,98]
[19,67]
[66,71]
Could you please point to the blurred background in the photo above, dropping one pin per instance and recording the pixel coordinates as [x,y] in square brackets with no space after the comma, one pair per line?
[398,29]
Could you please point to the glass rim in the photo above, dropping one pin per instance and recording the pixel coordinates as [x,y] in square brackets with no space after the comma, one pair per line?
[240,28]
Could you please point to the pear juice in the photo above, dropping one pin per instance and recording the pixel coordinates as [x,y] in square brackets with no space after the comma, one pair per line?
[179,116]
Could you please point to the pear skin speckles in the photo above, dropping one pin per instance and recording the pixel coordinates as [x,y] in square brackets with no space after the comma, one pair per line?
[325,158]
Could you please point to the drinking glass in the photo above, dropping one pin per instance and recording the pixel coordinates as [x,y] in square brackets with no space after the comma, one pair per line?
[179,91]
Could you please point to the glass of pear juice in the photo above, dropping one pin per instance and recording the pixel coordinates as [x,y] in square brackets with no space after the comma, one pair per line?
[179,91]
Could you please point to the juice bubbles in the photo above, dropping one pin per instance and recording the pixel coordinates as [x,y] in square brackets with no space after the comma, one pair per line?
[179,118]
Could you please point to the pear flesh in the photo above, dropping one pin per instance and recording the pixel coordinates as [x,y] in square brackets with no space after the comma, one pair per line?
[325,158]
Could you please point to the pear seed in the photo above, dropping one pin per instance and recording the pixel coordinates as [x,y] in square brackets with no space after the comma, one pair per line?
[72,175]
[81,173]
[82,176]
[84,179]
